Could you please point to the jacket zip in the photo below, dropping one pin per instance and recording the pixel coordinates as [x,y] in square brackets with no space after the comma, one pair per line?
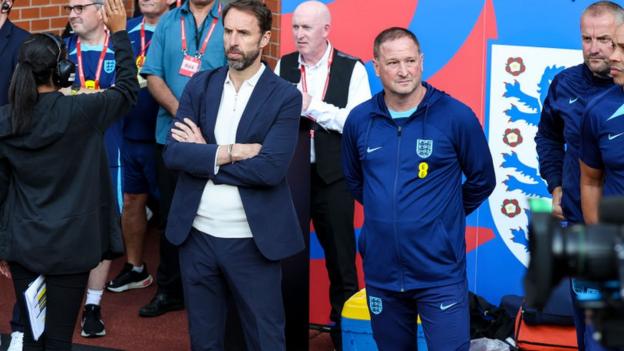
[395,212]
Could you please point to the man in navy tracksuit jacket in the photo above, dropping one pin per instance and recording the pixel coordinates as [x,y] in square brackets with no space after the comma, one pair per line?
[558,139]
[404,154]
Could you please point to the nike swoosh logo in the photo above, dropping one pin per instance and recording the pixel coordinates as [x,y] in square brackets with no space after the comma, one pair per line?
[571,101]
[369,149]
[444,307]
[611,137]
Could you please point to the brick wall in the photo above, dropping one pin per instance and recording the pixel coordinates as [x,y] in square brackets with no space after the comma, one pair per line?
[271,52]
[49,16]
[43,15]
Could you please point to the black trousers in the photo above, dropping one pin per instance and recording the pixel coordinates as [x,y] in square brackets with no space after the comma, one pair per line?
[168,274]
[64,296]
[332,211]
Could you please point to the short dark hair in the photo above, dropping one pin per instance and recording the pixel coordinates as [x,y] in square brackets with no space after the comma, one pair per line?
[254,7]
[390,34]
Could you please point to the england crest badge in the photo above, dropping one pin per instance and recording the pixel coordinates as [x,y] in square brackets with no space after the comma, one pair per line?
[109,66]
[375,304]
[424,147]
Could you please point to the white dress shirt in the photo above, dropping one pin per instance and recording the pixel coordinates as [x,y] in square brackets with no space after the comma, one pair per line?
[327,115]
[221,213]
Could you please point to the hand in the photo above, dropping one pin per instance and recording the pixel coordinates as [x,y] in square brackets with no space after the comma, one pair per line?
[307,99]
[557,211]
[4,269]
[244,151]
[187,132]
[114,15]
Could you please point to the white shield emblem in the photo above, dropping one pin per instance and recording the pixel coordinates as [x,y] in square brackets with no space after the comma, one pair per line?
[520,77]
[375,304]
[109,66]
[424,147]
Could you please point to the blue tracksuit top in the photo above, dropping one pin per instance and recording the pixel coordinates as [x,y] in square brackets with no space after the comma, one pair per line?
[602,143]
[558,139]
[408,175]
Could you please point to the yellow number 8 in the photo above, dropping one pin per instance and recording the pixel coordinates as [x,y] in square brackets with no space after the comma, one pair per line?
[423,169]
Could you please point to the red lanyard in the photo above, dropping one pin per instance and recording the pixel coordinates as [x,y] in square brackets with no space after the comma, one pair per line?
[202,50]
[143,46]
[304,80]
[98,72]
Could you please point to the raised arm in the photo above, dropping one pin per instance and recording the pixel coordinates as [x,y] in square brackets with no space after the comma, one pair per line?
[112,104]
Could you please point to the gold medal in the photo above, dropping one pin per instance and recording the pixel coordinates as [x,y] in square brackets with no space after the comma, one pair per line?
[140,60]
[90,84]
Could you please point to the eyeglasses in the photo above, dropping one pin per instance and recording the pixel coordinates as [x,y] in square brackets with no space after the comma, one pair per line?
[78,8]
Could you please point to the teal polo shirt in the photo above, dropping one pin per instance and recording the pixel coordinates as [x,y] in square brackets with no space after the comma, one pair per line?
[165,54]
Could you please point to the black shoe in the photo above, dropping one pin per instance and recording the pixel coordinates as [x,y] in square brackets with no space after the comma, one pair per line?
[92,324]
[128,279]
[161,303]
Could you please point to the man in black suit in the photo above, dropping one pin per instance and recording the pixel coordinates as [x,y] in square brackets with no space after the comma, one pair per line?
[232,213]
[332,83]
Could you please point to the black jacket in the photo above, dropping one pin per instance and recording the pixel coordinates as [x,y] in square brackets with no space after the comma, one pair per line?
[58,212]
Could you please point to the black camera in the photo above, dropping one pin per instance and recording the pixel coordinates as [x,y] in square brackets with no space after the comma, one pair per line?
[593,253]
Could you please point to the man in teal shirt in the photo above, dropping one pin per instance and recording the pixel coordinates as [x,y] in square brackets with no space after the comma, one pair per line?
[187,40]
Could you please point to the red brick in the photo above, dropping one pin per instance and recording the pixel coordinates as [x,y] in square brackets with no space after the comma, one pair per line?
[23,24]
[40,25]
[58,22]
[51,11]
[39,2]
[31,13]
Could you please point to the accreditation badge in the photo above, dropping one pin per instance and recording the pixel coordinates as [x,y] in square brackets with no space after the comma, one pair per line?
[142,81]
[91,84]
[190,65]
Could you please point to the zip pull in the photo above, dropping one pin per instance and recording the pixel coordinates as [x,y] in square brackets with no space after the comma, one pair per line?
[399,129]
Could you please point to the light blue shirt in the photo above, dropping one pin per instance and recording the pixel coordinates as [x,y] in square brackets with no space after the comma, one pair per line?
[402,114]
[165,54]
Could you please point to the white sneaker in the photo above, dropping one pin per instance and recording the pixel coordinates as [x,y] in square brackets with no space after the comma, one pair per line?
[16,341]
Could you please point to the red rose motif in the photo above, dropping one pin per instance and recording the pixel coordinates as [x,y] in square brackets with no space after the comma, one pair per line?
[510,208]
[515,66]
[512,137]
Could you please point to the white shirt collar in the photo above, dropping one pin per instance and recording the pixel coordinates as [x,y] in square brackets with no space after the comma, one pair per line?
[322,61]
[252,81]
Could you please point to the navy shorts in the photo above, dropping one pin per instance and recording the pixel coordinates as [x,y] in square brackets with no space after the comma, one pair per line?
[443,310]
[140,168]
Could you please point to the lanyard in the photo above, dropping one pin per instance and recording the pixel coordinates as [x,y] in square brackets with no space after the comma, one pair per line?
[143,46]
[202,50]
[304,80]
[98,72]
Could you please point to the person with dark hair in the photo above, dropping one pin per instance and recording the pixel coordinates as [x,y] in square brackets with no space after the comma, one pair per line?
[332,83]
[558,139]
[11,38]
[242,122]
[405,152]
[58,215]
[188,39]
